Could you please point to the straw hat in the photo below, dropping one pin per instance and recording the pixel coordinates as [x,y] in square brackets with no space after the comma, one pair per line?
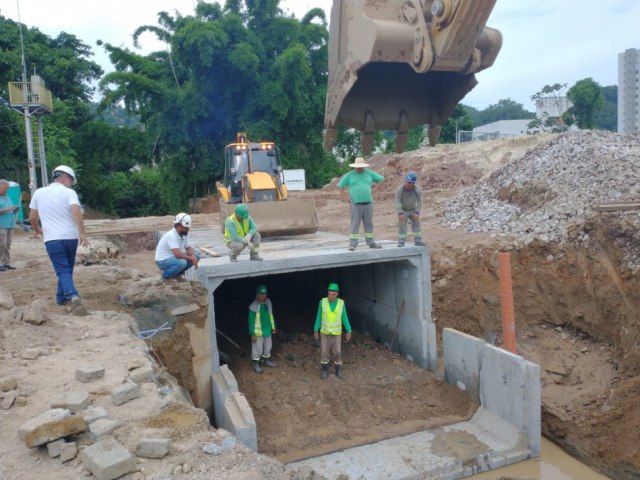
[359,163]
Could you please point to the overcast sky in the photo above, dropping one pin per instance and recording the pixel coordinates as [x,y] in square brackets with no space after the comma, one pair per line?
[544,41]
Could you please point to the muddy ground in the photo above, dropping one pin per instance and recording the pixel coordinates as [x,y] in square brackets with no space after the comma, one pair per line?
[576,315]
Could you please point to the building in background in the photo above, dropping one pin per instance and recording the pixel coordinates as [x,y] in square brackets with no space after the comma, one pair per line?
[628,91]
[552,107]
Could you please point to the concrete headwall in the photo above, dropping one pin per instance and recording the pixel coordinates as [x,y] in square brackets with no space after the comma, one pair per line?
[505,384]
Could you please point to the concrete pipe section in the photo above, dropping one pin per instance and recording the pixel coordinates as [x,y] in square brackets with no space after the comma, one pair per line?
[374,283]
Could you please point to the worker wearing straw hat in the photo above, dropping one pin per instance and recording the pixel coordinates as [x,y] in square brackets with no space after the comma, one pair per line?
[358,183]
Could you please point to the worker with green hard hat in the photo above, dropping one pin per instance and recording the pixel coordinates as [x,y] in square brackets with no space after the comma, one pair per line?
[261,328]
[330,319]
[240,232]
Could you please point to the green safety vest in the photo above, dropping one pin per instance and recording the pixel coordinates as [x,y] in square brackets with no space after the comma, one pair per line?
[331,321]
[241,228]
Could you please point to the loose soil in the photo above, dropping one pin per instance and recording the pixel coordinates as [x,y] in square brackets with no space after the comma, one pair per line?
[571,305]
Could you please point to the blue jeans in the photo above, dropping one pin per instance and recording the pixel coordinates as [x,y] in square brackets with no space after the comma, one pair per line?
[172,267]
[62,254]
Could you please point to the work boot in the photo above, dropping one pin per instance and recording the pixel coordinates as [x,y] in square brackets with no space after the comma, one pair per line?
[232,257]
[401,243]
[325,371]
[256,366]
[420,243]
[339,371]
[255,257]
[352,246]
[269,363]
[375,245]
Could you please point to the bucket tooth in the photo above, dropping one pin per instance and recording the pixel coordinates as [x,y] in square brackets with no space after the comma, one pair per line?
[401,133]
[330,138]
[366,136]
[434,134]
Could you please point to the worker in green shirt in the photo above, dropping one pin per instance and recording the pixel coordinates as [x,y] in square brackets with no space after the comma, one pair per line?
[358,182]
[240,232]
[331,317]
[261,327]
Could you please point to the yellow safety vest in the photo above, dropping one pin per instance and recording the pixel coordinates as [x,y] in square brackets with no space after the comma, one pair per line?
[331,321]
[257,326]
[241,228]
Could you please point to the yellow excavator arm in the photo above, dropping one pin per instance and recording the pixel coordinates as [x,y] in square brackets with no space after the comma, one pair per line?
[398,64]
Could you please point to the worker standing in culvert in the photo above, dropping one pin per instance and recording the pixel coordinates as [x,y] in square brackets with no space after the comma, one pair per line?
[240,232]
[408,203]
[331,317]
[261,328]
[359,182]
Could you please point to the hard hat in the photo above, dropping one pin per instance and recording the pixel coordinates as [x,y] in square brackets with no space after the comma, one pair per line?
[411,177]
[242,211]
[183,219]
[64,169]
[333,287]
[261,289]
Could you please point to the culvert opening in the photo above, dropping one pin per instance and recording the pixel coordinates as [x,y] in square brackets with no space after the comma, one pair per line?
[382,395]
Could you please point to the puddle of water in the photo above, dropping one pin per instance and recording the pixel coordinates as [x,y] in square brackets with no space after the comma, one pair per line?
[553,464]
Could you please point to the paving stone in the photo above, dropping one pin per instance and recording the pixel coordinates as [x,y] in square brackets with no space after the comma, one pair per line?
[152,447]
[8,383]
[30,353]
[72,401]
[49,426]
[107,459]
[54,448]
[183,309]
[88,373]
[142,374]
[68,451]
[8,400]
[125,393]
[102,427]
[92,414]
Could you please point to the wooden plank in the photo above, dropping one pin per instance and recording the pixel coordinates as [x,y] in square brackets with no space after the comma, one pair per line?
[616,206]
[213,253]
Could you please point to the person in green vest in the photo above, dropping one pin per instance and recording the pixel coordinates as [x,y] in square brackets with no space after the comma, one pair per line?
[330,319]
[240,232]
[262,326]
[7,223]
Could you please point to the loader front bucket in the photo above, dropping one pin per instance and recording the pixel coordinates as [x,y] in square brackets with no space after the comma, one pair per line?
[398,64]
[288,217]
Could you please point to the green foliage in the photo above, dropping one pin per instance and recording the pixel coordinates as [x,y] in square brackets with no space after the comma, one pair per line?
[587,98]
[607,118]
[505,109]
[459,120]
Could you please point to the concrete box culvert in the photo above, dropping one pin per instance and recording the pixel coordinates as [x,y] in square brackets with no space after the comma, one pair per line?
[373,283]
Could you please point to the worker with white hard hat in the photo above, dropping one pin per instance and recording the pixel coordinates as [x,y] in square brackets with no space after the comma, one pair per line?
[174,254]
[56,214]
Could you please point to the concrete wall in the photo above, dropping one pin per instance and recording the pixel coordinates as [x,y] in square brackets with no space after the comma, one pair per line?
[505,384]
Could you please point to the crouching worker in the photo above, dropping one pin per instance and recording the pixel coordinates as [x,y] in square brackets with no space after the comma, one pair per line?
[331,317]
[261,328]
[240,232]
[174,254]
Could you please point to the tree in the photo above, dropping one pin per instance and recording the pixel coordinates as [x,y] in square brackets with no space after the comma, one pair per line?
[550,105]
[459,120]
[505,109]
[607,118]
[587,99]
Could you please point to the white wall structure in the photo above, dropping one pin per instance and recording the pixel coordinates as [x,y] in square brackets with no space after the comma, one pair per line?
[295,179]
[503,128]
[551,107]
[628,91]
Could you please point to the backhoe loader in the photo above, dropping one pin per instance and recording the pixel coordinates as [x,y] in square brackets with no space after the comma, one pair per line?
[253,175]
[398,64]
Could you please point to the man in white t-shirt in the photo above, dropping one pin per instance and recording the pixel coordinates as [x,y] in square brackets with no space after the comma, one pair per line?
[55,213]
[174,254]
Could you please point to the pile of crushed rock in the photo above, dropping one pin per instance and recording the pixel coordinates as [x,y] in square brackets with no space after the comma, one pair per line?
[542,194]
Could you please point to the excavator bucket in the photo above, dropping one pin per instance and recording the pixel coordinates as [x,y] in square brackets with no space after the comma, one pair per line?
[290,217]
[398,64]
